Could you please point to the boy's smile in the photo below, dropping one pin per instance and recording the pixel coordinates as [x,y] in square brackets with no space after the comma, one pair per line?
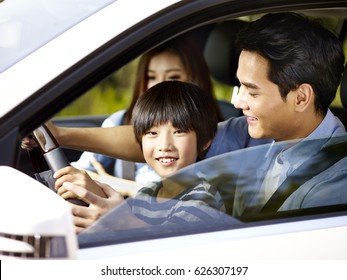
[167,161]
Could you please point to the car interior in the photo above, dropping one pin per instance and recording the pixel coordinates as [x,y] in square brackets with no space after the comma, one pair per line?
[217,43]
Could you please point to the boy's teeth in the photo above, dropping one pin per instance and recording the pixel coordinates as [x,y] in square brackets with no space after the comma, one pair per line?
[166,160]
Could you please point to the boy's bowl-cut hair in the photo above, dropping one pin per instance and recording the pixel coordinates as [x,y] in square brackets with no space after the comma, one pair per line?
[183,104]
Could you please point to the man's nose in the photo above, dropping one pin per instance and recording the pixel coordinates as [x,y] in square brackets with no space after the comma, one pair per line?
[239,98]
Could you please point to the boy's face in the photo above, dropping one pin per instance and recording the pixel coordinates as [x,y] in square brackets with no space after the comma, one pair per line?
[268,115]
[167,149]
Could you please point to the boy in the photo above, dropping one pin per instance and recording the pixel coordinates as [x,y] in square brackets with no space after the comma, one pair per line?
[168,125]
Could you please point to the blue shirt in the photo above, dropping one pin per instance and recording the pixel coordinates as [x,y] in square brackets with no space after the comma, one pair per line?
[232,134]
[325,189]
[291,156]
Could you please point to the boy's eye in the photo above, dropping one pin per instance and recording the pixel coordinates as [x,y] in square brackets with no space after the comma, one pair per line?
[180,131]
[150,132]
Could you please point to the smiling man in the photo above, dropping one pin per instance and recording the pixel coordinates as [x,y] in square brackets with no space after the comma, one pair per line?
[289,70]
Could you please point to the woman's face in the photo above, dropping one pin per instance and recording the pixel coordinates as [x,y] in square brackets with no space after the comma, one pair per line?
[165,66]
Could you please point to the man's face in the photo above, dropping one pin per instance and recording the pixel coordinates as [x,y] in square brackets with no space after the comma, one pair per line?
[268,115]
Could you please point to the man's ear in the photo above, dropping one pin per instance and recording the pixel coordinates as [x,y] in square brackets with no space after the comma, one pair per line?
[304,97]
[207,145]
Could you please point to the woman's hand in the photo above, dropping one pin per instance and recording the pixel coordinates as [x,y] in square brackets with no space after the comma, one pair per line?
[100,170]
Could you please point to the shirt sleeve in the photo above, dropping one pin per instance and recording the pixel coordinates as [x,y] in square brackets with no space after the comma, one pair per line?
[83,162]
[326,189]
[232,134]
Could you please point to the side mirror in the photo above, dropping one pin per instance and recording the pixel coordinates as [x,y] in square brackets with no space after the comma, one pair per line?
[35,223]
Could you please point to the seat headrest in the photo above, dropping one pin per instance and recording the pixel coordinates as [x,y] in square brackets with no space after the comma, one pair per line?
[343,88]
[220,52]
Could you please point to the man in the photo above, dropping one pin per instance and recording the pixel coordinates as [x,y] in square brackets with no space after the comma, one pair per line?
[289,71]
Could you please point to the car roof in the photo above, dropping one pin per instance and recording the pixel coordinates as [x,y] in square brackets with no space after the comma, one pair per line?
[38,47]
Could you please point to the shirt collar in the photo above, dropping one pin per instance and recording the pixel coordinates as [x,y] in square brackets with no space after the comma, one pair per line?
[305,148]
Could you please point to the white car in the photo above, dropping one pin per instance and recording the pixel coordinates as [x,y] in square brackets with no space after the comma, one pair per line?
[52,52]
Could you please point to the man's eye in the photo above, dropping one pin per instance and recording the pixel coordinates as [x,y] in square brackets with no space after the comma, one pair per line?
[253,94]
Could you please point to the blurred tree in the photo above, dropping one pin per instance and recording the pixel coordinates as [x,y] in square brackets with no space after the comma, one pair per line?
[110,95]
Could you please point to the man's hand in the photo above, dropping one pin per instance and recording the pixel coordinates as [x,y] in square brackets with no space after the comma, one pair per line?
[28,142]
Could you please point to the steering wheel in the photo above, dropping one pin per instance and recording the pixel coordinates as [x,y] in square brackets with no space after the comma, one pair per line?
[49,155]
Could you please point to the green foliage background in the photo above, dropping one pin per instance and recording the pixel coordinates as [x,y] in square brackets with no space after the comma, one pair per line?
[115,92]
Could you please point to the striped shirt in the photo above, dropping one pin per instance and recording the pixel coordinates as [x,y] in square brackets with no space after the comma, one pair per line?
[199,204]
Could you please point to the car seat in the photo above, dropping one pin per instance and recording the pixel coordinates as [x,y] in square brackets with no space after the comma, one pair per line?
[343,89]
[222,58]
[341,112]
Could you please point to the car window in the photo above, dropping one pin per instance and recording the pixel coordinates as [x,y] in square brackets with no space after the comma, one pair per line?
[314,186]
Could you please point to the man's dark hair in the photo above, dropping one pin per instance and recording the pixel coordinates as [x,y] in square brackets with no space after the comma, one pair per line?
[183,104]
[299,50]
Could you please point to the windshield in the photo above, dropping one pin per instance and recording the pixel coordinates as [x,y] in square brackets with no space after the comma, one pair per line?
[27,25]
[243,180]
